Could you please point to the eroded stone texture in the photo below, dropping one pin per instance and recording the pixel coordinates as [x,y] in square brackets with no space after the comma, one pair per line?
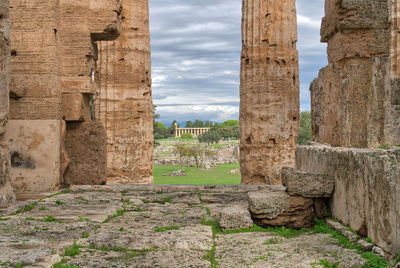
[355,100]
[53,59]
[6,192]
[152,230]
[86,146]
[306,184]
[367,187]
[278,208]
[269,90]
[124,103]
[35,151]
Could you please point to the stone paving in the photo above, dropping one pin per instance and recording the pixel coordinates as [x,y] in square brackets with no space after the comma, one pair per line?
[154,226]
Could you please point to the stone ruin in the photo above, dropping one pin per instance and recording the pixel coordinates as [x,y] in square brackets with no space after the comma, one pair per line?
[80,107]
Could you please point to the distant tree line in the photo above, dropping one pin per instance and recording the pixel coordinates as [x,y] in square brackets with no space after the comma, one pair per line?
[226,130]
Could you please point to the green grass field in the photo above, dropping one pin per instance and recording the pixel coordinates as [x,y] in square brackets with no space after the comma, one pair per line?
[218,175]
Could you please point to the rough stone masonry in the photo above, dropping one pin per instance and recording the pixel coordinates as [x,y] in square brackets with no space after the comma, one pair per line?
[6,191]
[53,66]
[269,90]
[356,103]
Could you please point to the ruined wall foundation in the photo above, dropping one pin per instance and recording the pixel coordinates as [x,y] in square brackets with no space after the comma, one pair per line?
[124,98]
[356,104]
[6,191]
[269,90]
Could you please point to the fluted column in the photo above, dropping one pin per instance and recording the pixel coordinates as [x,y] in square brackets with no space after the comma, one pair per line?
[269,90]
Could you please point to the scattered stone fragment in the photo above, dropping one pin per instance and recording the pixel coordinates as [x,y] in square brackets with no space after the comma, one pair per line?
[378,251]
[306,184]
[235,217]
[277,208]
[366,246]
[341,229]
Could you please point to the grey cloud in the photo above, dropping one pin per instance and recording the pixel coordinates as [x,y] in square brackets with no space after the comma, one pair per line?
[196,48]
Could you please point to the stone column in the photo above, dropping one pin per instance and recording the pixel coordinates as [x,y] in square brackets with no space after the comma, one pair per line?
[269,90]
[176,130]
[6,192]
[124,102]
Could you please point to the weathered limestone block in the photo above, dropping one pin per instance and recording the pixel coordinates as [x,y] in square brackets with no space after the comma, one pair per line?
[355,98]
[124,103]
[87,149]
[6,192]
[235,217]
[307,184]
[35,147]
[269,90]
[35,86]
[367,188]
[277,208]
[76,107]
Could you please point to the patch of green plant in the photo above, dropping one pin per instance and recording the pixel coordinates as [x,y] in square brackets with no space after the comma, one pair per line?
[369,240]
[83,219]
[166,228]
[373,260]
[273,241]
[42,208]
[384,147]
[210,256]
[82,199]
[72,251]
[201,201]
[60,203]
[327,264]
[50,219]
[139,209]
[29,219]
[182,212]
[5,263]
[85,235]
[119,213]
[62,264]
[4,219]
[208,211]
[121,229]
[18,265]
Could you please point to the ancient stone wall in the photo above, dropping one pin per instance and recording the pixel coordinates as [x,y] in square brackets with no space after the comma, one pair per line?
[269,90]
[124,103]
[6,191]
[53,54]
[355,100]
[367,187]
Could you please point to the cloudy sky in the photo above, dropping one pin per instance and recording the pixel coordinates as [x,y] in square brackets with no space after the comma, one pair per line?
[196,48]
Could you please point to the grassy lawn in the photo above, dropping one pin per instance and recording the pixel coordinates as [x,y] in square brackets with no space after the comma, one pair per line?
[218,175]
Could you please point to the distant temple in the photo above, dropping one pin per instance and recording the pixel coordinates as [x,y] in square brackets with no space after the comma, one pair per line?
[195,132]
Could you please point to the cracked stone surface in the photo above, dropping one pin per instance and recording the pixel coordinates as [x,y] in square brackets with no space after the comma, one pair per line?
[152,226]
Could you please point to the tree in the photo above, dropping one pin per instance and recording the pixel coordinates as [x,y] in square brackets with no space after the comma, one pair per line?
[209,137]
[200,153]
[160,130]
[171,128]
[208,124]
[183,152]
[305,133]
[230,123]
[198,124]
[189,124]
[187,136]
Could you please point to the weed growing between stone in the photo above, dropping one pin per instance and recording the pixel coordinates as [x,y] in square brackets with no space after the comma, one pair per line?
[60,203]
[326,264]
[374,261]
[32,205]
[166,228]
[72,251]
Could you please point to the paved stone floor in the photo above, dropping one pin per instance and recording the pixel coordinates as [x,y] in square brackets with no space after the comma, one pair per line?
[152,226]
